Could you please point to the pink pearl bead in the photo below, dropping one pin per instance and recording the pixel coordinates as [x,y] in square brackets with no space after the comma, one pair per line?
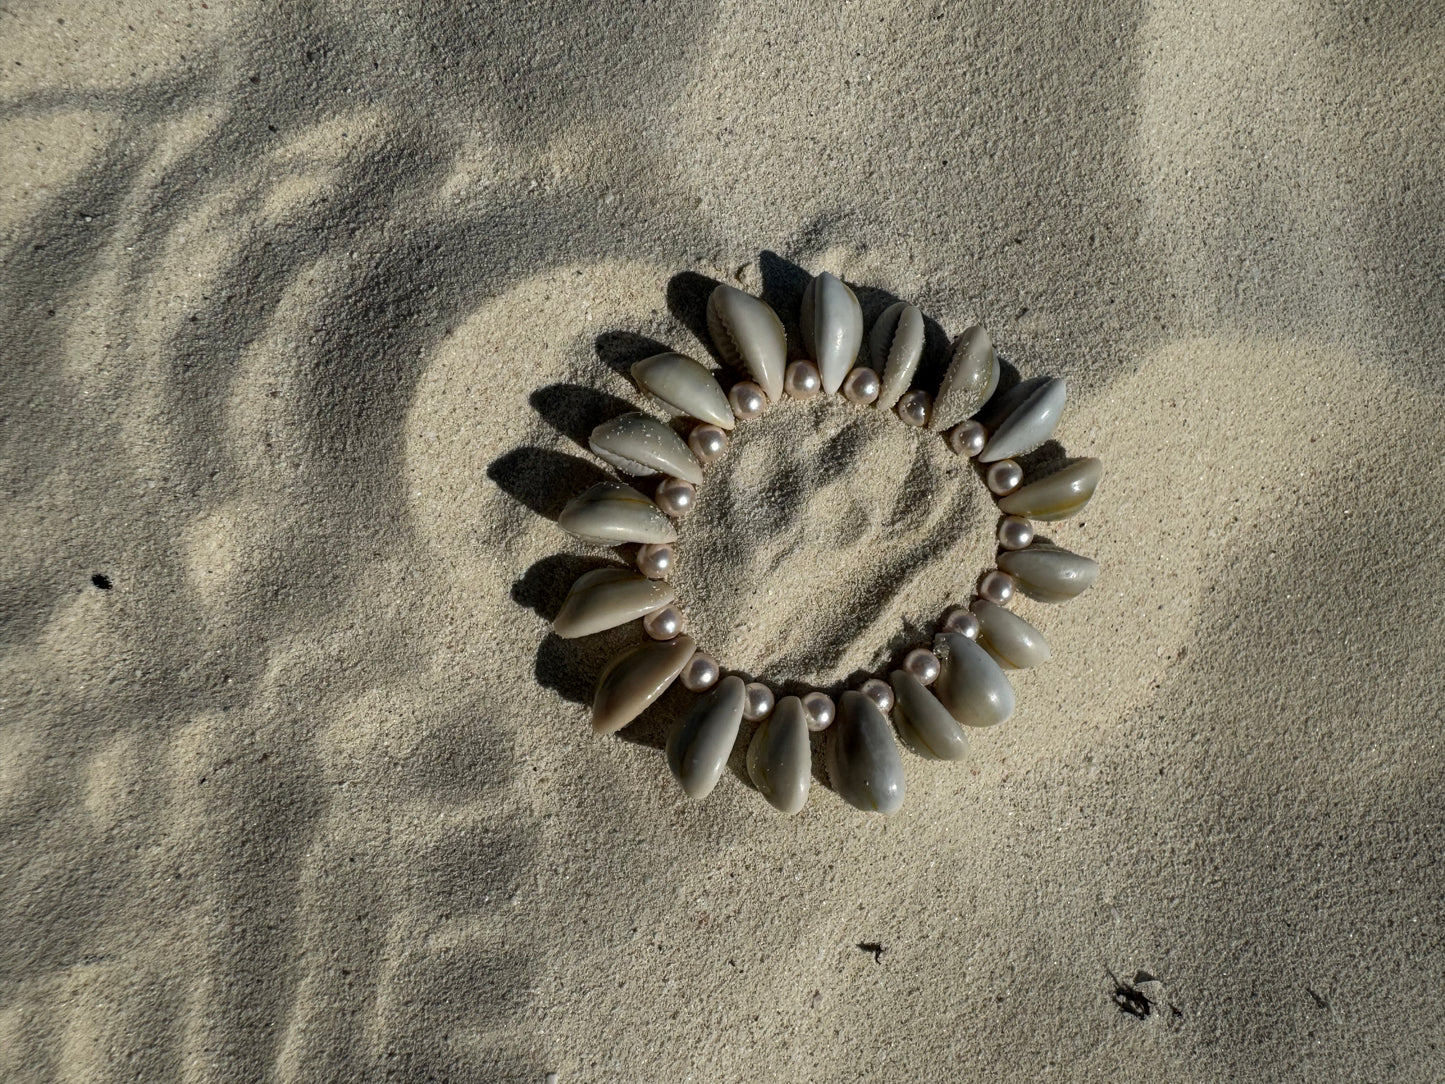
[878,691]
[663,623]
[801,380]
[915,408]
[861,386]
[996,587]
[757,701]
[655,560]
[675,496]
[962,622]
[1003,477]
[1015,532]
[708,442]
[922,664]
[701,673]
[967,438]
[820,709]
[748,400]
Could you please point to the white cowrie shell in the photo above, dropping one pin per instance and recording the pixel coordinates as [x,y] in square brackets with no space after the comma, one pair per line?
[607,597]
[972,687]
[683,385]
[1059,496]
[635,678]
[896,345]
[1010,639]
[972,376]
[780,760]
[748,335]
[611,513]
[831,321]
[699,745]
[924,724]
[863,762]
[641,444]
[1048,573]
[1028,425]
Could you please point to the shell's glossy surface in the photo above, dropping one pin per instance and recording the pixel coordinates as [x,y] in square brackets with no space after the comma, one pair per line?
[699,745]
[684,385]
[1048,573]
[641,444]
[895,346]
[831,321]
[970,380]
[634,679]
[972,687]
[924,724]
[607,597]
[1029,424]
[863,762]
[748,335]
[780,761]
[1059,496]
[611,513]
[1010,639]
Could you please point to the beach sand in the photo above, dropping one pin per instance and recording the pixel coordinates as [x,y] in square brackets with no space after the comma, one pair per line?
[306,317]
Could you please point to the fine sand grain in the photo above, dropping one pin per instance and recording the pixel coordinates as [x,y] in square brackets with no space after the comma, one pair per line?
[305,315]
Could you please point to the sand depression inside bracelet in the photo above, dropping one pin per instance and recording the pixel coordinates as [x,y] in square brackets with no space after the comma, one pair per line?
[959,681]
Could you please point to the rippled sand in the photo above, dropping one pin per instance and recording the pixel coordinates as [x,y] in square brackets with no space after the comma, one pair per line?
[304,319]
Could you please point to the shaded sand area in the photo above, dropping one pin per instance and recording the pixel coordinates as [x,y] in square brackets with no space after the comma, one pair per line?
[304,318]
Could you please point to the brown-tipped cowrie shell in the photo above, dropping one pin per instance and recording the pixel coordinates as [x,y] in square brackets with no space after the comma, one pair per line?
[1047,573]
[780,760]
[748,335]
[1010,639]
[896,345]
[1028,425]
[863,762]
[1059,496]
[634,679]
[972,375]
[972,686]
[924,724]
[699,745]
[607,597]
[640,444]
[831,321]
[685,386]
[611,513]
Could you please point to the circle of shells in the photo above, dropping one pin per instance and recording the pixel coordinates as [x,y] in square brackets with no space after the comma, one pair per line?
[940,690]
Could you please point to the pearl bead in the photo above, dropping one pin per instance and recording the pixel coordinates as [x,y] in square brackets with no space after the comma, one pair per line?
[996,587]
[1002,477]
[915,408]
[802,381]
[655,560]
[1015,532]
[861,386]
[967,438]
[879,692]
[747,400]
[700,673]
[757,701]
[708,442]
[663,623]
[675,497]
[963,622]
[820,709]
[922,664]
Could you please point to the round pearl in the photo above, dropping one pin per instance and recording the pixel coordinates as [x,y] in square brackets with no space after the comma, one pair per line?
[922,664]
[757,701]
[996,587]
[675,497]
[820,709]
[663,623]
[747,400]
[708,442]
[967,438]
[963,622]
[655,560]
[1015,532]
[801,380]
[878,691]
[861,386]
[915,408]
[700,673]
[1002,477]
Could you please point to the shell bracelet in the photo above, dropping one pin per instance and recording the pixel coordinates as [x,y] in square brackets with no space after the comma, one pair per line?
[939,690]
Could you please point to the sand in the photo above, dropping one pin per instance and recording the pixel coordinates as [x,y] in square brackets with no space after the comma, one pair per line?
[306,315]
